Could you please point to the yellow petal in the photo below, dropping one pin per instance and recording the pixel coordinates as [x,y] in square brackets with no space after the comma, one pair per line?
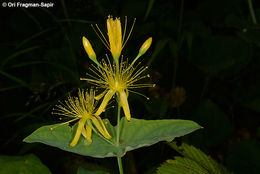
[104,127]
[89,133]
[99,96]
[124,103]
[78,132]
[106,99]
[100,129]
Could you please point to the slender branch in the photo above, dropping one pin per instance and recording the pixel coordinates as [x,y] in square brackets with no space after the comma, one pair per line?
[252,12]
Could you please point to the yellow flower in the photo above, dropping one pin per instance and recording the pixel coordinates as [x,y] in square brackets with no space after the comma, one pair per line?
[116,41]
[82,108]
[117,78]
[114,33]
[113,81]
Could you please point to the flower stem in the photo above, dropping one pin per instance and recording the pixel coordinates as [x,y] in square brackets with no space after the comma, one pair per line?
[118,125]
[119,160]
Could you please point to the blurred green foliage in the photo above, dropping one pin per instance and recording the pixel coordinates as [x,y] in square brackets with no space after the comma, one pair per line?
[22,164]
[194,161]
[210,48]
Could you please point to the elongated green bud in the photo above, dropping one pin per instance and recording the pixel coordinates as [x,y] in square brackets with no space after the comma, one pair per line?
[146,45]
[88,48]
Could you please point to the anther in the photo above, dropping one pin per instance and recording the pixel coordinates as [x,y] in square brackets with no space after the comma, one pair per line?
[60,118]
[51,129]
[154,85]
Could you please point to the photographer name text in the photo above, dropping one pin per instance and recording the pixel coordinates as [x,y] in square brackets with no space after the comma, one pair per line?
[28,4]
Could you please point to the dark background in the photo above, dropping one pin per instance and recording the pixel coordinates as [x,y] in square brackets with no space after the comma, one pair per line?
[208,48]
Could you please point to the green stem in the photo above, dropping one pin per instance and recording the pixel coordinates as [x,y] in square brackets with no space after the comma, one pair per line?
[136,58]
[252,12]
[119,160]
[118,125]
[117,67]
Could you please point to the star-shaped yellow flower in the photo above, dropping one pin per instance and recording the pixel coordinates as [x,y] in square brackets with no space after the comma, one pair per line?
[82,108]
[118,77]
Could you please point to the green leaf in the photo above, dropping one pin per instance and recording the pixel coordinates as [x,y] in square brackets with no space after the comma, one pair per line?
[149,8]
[243,157]
[221,55]
[29,164]
[17,80]
[198,156]
[248,96]
[212,118]
[76,20]
[250,35]
[193,162]
[18,53]
[84,171]
[181,166]
[134,134]
[33,37]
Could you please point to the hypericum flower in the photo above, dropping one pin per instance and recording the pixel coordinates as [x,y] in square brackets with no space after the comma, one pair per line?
[82,108]
[117,78]
[116,41]
[114,33]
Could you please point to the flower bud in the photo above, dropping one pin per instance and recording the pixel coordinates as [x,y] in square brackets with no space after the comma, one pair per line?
[88,48]
[146,45]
